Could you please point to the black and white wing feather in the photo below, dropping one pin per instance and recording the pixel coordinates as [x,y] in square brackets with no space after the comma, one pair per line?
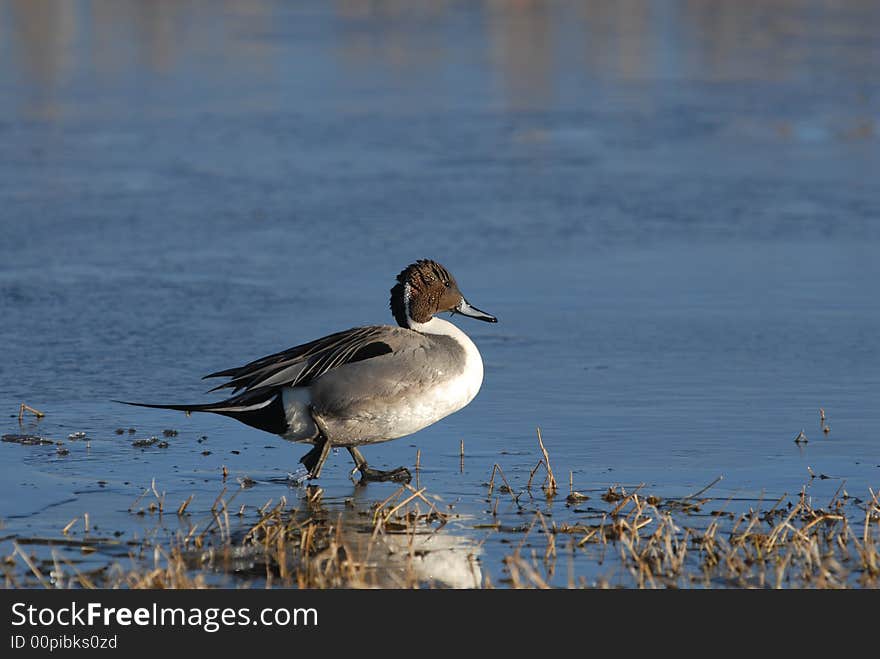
[300,365]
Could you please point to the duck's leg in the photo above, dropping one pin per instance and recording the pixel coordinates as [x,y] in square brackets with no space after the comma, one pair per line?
[314,460]
[399,475]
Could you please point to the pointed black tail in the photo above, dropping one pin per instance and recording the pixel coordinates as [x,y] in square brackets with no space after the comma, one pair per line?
[264,411]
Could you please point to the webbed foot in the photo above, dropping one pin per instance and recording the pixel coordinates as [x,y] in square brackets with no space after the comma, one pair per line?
[399,475]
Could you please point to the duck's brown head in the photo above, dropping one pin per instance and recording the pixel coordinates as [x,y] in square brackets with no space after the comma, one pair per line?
[425,288]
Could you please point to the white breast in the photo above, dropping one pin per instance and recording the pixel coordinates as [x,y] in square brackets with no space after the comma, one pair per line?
[455,393]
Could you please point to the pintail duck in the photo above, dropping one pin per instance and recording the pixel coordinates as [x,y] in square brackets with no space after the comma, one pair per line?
[363,385]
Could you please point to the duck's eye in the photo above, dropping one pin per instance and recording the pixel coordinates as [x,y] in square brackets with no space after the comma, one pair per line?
[446,284]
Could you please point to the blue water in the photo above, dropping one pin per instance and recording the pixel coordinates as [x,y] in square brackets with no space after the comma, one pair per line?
[672,209]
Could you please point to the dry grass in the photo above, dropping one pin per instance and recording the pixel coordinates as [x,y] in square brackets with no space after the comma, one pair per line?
[625,537]
[797,545]
[27,408]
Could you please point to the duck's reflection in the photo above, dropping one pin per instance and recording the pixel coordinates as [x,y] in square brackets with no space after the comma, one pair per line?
[417,552]
[427,558]
[315,542]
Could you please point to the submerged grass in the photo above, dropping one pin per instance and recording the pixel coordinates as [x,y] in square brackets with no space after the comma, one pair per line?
[631,538]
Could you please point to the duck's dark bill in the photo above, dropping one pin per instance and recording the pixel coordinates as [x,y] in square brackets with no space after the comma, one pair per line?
[465,309]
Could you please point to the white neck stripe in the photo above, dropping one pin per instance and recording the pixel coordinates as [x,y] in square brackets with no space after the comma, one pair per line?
[407,298]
